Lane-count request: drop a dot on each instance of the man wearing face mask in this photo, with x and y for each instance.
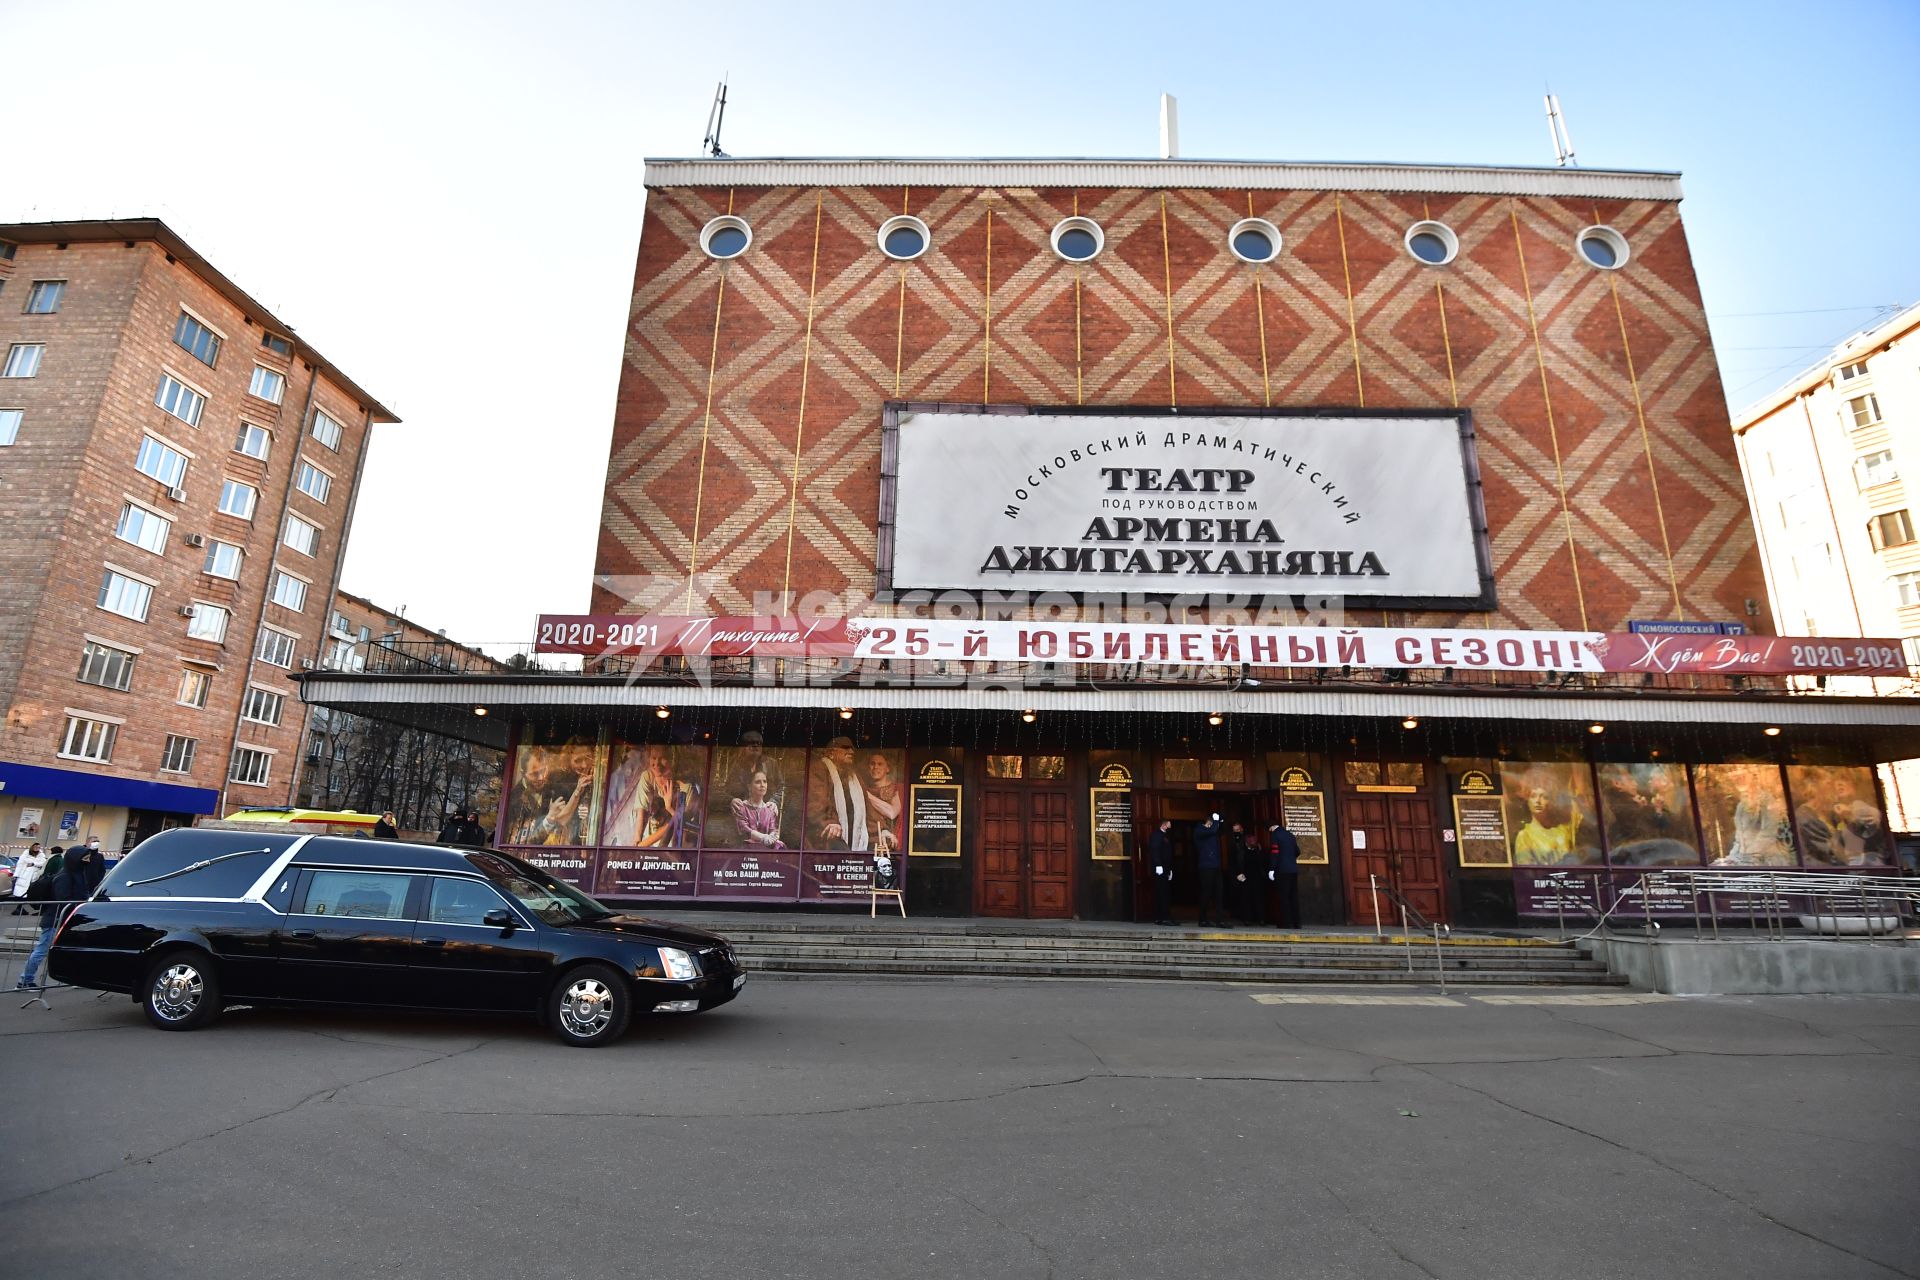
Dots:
(1206, 858)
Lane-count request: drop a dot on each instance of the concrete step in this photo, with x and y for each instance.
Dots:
(1152, 944)
(1174, 972)
(1300, 959)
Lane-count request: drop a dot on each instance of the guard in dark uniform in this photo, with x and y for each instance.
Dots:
(1255, 863)
(1206, 860)
(1285, 873)
(1160, 857)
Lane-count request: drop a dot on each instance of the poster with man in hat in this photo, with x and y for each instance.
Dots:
(836, 802)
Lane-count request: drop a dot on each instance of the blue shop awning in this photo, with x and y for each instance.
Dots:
(74, 787)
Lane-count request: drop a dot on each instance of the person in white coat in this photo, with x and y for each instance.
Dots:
(32, 863)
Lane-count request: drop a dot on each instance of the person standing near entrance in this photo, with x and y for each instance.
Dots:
(1256, 867)
(1206, 859)
(1284, 873)
(1160, 856)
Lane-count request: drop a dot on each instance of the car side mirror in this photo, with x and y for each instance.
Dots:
(499, 918)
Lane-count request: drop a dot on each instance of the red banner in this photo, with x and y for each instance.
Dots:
(1159, 644)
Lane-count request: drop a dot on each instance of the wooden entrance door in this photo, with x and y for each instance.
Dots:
(1026, 854)
(1402, 850)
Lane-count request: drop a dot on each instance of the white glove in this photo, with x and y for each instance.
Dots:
(1270, 875)
(1159, 871)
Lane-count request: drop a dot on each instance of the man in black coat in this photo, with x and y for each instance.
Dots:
(1255, 863)
(1206, 860)
(1284, 873)
(1160, 858)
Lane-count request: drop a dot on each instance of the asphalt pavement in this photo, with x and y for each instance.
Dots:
(898, 1128)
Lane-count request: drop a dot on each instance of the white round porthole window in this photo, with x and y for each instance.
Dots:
(904, 238)
(1603, 247)
(1078, 239)
(1433, 243)
(725, 237)
(1254, 240)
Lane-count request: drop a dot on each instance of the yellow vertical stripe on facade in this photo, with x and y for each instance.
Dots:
(986, 338)
(1446, 339)
(800, 427)
(1166, 265)
(1553, 432)
(900, 316)
(1646, 445)
(1353, 326)
(1260, 313)
(706, 425)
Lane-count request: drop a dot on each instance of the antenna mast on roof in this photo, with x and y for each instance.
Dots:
(1562, 140)
(716, 116)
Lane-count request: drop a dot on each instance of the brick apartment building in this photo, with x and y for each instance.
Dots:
(178, 472)
(369, 765)
(995, 511)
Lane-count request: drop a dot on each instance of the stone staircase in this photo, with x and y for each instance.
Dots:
(824, 945)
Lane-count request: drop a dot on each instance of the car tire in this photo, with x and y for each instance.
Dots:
(590, 1006)
(182, 991)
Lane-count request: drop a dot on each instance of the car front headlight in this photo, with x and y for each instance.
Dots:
(678, 964)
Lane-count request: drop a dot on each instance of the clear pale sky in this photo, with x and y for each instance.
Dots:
(446, 198)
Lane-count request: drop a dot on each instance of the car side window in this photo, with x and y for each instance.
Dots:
(462, 901)
(362, 894)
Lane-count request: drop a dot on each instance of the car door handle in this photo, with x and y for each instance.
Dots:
(433, 942)
(303, 935)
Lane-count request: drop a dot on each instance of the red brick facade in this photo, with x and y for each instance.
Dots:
(1559, 362)
(67, 477)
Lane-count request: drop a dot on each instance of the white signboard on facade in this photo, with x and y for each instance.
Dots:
(1362, 505)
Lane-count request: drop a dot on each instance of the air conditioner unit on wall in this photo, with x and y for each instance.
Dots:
(177, 494)
(306, 664)
(186, 611)
(196, 539)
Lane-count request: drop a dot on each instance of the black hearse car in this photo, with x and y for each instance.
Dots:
(195, 919)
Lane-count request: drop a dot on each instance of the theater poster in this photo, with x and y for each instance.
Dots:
(554, 797)
(656, 796)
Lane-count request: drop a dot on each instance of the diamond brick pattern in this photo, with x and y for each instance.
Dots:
(777, 488)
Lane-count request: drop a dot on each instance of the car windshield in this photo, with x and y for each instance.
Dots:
(554, 901)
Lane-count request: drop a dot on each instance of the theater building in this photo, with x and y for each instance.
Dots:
(993, 512)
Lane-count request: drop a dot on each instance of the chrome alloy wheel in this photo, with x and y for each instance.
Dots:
(178, 992)
(586, 1008)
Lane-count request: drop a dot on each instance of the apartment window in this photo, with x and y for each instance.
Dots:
(1865, 409)
(253, 441)
(1906, 588)
(23, 359)
(89, 739)
(238, 499)
(1875, 468)
(128, 597)
(43, 297)
(276, 344)
(1890, 529)
(180, 400)
(194, 687)
(200, 342)
(301, 536)
(10, 425)
(262, 706)
(106, 666)
(276, 647)
(342, 624)
(142, 528)
(178, 757)
(312, 481)
(345, 655)
(250, 766)
(223, 560)
(289, 592)
(209, 622)
(326, 430)
(1848, 372)
(267, 384)
(168, 466)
